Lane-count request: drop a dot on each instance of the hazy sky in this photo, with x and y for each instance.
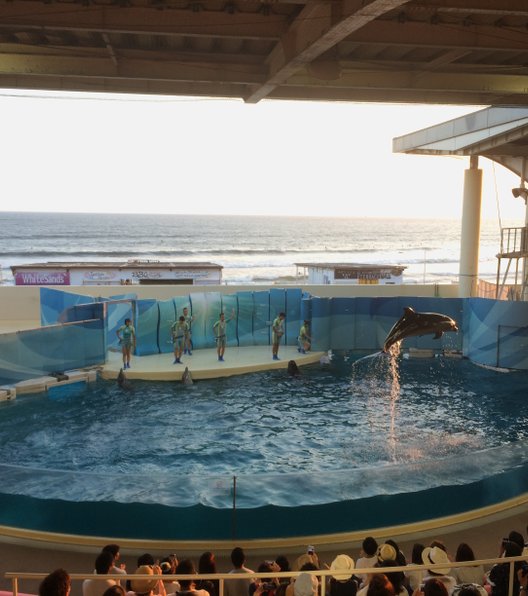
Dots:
(182, 155)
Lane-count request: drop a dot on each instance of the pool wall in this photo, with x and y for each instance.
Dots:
(492, 333)
(198, 522)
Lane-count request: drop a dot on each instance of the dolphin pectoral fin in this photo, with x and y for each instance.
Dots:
(438, 335)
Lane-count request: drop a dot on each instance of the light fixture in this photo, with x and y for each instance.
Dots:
(520, 191)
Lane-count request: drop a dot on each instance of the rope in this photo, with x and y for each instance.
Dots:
(496, 195)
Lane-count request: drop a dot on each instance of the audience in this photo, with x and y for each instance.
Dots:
(434, 587)
(145, 587)
(380, 585)
(96, 587)
(343, 580)
(188, 586)
(414, 578)
(207, 564)
(367, 557)
(238, 587)
(57, 583)
(306, 584)
(438, 556)
(115, 551)
(467, 575)
(499, 575)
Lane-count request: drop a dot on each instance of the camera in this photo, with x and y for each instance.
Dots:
(267, 586)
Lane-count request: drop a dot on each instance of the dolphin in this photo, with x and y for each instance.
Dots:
(418, 323)
(122, 381)
(187, 377)
(293, 369)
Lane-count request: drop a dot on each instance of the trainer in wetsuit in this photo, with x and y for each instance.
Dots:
(179, 331)
(277, 331)
(219, 329)
(188, 339)
(127, 338)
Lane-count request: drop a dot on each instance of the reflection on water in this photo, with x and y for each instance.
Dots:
(317, 437)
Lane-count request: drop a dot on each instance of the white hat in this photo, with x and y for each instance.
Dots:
(386, 552)
(305, 585)
(342, 563)
(436, 556)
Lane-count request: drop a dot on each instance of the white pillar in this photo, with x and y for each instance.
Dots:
(470, 238)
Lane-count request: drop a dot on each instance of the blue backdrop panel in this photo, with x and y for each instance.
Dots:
(201, 335)
(35, 352)
(167, 316)
(262, 319)
(83, 312)
(181, 302)
(497, 332)
(54, 302)
(293, 315)
(147, 322)
(321, 310)
(513, 347)
(230, 306)
(116, 313)
(366, 329)
(343, 323)
(277, 302)
(245, 318)
(214, 307)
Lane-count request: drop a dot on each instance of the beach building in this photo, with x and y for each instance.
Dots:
(350, 273)
(131, 272)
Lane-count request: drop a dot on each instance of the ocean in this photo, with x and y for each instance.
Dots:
(252, 249)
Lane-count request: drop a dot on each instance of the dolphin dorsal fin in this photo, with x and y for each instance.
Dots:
(408, 311)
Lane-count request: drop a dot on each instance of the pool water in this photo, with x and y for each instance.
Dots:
(339, 431)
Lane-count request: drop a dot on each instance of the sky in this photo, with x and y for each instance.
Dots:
(137, 154)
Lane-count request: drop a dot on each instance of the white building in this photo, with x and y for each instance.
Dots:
(350, 273)
(116, 273)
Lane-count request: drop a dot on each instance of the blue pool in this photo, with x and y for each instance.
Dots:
(352, 445)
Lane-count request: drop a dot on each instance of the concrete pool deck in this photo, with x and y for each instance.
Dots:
(204, 364)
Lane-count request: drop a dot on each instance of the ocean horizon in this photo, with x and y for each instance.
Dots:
(250, 248)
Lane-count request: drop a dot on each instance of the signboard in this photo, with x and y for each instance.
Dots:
(42, 278)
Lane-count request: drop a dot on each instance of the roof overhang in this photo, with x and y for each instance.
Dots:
(498, 133)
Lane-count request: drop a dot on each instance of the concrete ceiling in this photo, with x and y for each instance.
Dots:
(429, 51)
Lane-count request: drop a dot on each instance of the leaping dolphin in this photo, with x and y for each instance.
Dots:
(414, 323)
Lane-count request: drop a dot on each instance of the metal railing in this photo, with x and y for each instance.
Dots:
(514, 241)
(223, 577)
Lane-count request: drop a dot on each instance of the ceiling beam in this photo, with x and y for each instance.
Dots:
(141, 21)
(414, 34)
(476, 7)
(316, 30)
(149, 70)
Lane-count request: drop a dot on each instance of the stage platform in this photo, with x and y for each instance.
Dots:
(204, 364)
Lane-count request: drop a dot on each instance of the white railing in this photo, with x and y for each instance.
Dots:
(15, 576)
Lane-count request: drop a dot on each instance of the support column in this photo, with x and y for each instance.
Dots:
(470, 238)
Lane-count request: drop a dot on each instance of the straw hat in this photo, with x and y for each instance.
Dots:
(342, 563)
(143, 586)
(305, 585)
(386, 552)
(436, 556)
